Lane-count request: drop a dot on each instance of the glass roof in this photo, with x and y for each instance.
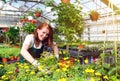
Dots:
(19, 7)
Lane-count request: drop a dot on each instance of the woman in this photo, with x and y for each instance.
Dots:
(33, 44)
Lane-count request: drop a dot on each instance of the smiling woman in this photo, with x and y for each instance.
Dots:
(34, 43)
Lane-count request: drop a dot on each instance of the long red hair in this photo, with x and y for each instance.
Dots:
(49, 40)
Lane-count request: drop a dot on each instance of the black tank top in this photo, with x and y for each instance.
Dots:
(35, 52)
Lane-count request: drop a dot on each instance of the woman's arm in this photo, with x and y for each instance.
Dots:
(55, 49)
(24, 52)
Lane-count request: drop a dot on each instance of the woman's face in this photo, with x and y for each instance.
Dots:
(42, 33)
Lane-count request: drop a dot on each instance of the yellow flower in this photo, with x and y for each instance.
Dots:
(64, 52)
(64, 69)
(26, 67)
(68, 62)
(66, 66)
(9, 72)
(57, 70)
(32, 72)
(78, 60)
(59, 63)
(92, 79)
(51, 56)
(98, 74)
(65, 58)
(1, 65)
(89, 71)
(25, 64)
(27, 70)
(106, 77)
(41, 67)
(62, 79)
(86, 61)
(60, 52)
(20, 65)
(4, 77)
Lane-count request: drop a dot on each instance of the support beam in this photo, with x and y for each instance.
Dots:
(108, 3)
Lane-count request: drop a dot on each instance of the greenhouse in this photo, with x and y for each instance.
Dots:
(59, 40)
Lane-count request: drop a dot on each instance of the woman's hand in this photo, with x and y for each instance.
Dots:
(57, 56)
(35, 63)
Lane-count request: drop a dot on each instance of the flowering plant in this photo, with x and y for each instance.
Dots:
(59, 70)
(29, 27)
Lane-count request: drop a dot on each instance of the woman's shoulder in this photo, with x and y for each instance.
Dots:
(29, 36)
(29, 39)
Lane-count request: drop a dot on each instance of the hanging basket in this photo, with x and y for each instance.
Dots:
(94, 15)
(103, 31)
(37, 14)
(65, 1)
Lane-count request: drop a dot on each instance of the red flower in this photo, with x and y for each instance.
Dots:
(33, 21)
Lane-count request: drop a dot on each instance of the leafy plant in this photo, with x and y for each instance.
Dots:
(4, 53)
(2, 70)
(29, 27)
(7, 52)
(38, 10)
(12, 34)
(69, 21)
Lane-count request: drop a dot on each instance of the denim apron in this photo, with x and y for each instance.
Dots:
(35, 53)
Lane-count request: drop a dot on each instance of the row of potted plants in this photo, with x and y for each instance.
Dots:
(9, 53)
(63, 69)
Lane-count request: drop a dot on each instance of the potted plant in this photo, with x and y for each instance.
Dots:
(103, 31)
(13, 52)
(12, 34)
(37, 12)
(23, 19)
(29, 27)
(69, 22)
(94, 15)
(4, 54)
(65, 1)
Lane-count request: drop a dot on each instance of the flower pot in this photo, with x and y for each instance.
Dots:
(80, 46)
(23, 20)
(103, 31)
(9, 45)
(4, 60)
(16, 46)
(94, 15)
(12, 58)
(37, 14)
(17, 58)
(65, 1)
(33, 21)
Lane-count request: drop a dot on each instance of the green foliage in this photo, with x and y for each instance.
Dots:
(7, 52)
(30, 13)
(12, 34)
(69, 21)
(29, 27)
(93, 12)
(38, 10)
(2, 70)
